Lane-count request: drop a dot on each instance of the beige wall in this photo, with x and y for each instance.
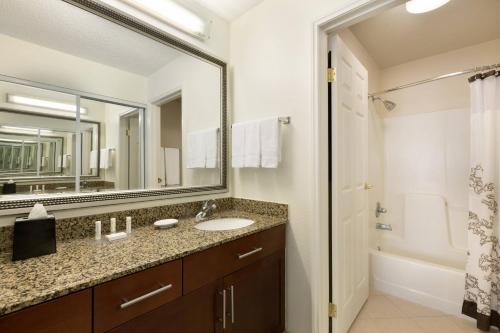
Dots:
(199, 84)
(440, 95)
(64, 70)
(272, 74)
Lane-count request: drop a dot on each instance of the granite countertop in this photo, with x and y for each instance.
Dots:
(83, 263)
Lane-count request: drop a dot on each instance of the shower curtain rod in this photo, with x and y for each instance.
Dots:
(440, 77)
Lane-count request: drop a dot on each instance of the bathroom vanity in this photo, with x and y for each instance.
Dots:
(175, 280)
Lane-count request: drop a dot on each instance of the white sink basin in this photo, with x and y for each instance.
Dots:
(224, 224)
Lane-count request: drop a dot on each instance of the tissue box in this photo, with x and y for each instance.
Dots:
(34, 238)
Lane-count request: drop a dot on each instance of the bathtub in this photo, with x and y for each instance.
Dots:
(430, 284)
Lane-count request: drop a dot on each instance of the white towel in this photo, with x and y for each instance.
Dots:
(211, 147)
(162, 171)
(172, 166)
(93, 159)
(270, 142)
(196, 150)
(252, 144)
(106, 158)
(238, 145)
(66, 161)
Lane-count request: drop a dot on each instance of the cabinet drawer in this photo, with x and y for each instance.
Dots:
(206, 266)
(120, 300)
(72, 313)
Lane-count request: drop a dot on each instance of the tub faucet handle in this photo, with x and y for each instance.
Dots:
(379, 210)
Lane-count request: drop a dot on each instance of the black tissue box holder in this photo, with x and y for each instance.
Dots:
(34, 238)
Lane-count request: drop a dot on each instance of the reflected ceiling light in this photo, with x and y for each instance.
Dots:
(42, 103)
(171, 12)
(26, 129)
(423, 6)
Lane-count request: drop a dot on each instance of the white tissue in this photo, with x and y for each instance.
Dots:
(38, 212)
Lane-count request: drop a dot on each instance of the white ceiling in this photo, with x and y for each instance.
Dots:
(229, 9)
(395, 36)
(66, 28)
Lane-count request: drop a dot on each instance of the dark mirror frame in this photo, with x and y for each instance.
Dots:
(15, 206)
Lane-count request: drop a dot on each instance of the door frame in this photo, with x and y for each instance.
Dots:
(354, 12)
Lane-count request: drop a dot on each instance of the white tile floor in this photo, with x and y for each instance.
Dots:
(387, 314)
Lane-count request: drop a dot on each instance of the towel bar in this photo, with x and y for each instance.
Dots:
(282, 120)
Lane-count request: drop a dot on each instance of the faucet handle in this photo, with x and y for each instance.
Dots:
(209, 204)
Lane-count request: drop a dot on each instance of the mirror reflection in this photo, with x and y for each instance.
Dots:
(91, 106)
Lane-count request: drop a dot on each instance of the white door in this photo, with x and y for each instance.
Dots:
(350, 274)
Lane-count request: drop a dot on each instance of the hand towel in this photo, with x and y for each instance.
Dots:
(238, 145)
(162, 171)
(106, 158)
(196, 150)
(252, 144)
(93, 159)
(270, 142)
(172, 166)
(212, 147)
(66, 161)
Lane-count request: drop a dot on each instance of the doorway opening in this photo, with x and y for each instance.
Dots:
(171, 141)
(393, 156)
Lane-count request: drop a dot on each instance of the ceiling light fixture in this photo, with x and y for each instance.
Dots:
(42, 103)
(172, 13)
(424, 6)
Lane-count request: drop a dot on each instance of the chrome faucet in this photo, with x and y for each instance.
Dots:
(208, 207)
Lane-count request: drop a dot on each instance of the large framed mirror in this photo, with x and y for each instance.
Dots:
(99, 107)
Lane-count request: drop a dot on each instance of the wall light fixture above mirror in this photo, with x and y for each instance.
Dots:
(98, 107)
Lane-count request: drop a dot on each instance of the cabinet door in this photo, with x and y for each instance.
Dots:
(71, 313)
(255, 297)
(196, 312)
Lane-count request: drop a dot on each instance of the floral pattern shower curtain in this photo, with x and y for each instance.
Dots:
(482, 285)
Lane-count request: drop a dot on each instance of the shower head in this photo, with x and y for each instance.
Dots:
(388, 105)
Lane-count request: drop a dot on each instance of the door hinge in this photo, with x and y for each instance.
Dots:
(127, 132)
(331, 74)
(332, 310)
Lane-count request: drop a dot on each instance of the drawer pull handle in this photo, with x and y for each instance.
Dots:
(223, 309)
(232, 304)
(248, 254)
(145, 296)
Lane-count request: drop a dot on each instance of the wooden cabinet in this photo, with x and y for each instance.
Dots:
(71, 313)
(217, 262)
(120, 300)
(237, 287)
(197, 312)
(256, 296)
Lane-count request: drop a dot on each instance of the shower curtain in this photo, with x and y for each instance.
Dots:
(482, 285)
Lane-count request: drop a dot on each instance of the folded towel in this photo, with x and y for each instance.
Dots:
(212, 147)
(172, 166)
(66, 161)
(270, 142)
(93, 159)
(252, 144)
(106, 158)
(196, 150)
(238, 145)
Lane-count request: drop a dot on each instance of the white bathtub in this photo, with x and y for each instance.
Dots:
(429, 284)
